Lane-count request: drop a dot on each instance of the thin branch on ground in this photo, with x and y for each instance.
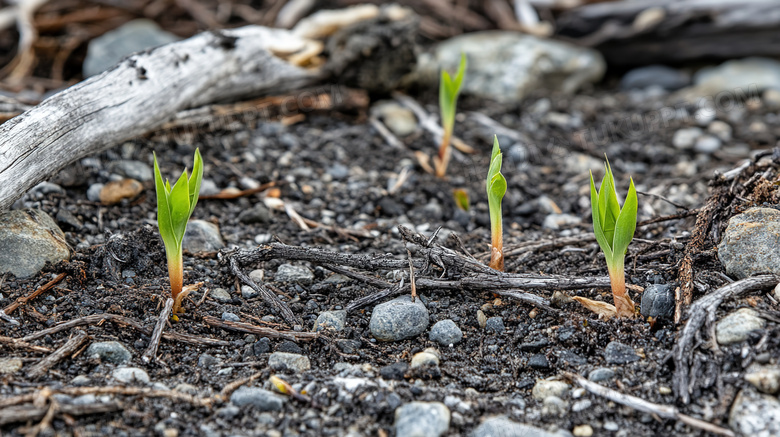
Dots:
(700, 312)
(154, 343)
(61, 353)
(260, 330)
(268, 297)
(639, 404)
(23, 300)
(110, 390)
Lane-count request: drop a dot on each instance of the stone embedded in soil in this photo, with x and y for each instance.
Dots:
(221, 295)
(759, 72)
(10, 365)
(707, 144)
(750, 243)
(554, 406)
(601, 374)
(657, 301)
(399, 319)
(765, 378)
(445, 332)
(685, 139)
(400, 120)
(132, 169)
(261, 399)
(93, 192)
(720, 129)
(619, 353)
(495, 325)
(289, 347)
(738, 325)
(668, 78)
(109, 351)
(262, 346)
(571, 358)
(258, 214)
(502, 426)
(293, 273)
(284, 361)
(582, 431)
(394, 371)
(538, 361)
(115, 191)
(557, 221)
(545, 388)
(754, 414)
(348, 346)
(230, 317)
(202, 236)
(428, 357)
(130, 375)
(422, 419)
(29, 239)
(527, 64)
(248, 292)
(207, 361)
(331, 320)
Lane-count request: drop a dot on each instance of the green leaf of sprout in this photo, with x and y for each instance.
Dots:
(175, 204)
(449, 89)
(614, 227)
(496, 186)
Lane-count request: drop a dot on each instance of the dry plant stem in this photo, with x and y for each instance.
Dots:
(61, 353)
(19, 344)
(443, 159)
(154, 343)
(98, 318)
(703, 311)
(497, 252)
(23, 300)
(268, 297)
(110, 390)
(27, 413)
(233, 386)
(260, 330)
(664, 411)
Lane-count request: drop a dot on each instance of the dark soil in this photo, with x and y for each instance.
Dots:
(118, 267)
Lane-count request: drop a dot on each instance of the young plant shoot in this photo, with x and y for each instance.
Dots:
(496, 188)
(174, 208)
(449, 89)
(614, 228)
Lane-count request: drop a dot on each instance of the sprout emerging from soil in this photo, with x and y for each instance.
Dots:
(449, 89)
(614, 228)
(174, 208)
(496, 188)
(461, 199)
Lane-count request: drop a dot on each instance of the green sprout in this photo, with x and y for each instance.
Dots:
(449, 89)
(496, 188)
(461, 199)
(174, 208)
(614, 228)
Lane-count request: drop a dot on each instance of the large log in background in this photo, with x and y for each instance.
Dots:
(139, 94)
(672, 31)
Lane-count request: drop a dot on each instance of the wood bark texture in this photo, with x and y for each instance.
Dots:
(140, 94)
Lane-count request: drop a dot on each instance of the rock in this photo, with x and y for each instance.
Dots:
(262, 346)
(137, 170)
(28, 240)
(764, 378)
(554, 406)
(428, 357)
(186, 388)
(338, 171)
(81, 381)
(230, 317)
(134, 36)
(332, 320)
(130, 375)
(582, 431)
(545, 388)
(207, 361)
(754, 72)
(261, 399)
(736, 327)
(661, 76)
(290, 347)
(422, 419)
(258, 214)
(221, 295)
(208, 187)
(538, 361)
(113, 192)
(348, 346)
(658, 301)
(581, 405)
(284, 361)
(399, 319)
(506, 66)
(501, 426)
(202, 236)
(248, 292)
(619, 353)
(750, 242)
(10, 365)
(109, 351)
(720, 129)
(556, 221)
(754, 414)
(66, 218)
(445, 332)
(707, 144)
(394, 371)
(571, 358)
(771, 99)
(495, 325)
(93, 192)
(400, 120)
(293, 273)
(685, 139)
(600, 374)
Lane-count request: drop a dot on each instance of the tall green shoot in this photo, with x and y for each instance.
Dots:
(614, 228)
(496, 188)
(449, 89)
(175, 205)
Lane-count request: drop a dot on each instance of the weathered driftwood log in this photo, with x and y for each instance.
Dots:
(141, 93)
(666, 31)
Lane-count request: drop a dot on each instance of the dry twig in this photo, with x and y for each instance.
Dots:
(23, 300)
(154, 342)
(68, 348)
